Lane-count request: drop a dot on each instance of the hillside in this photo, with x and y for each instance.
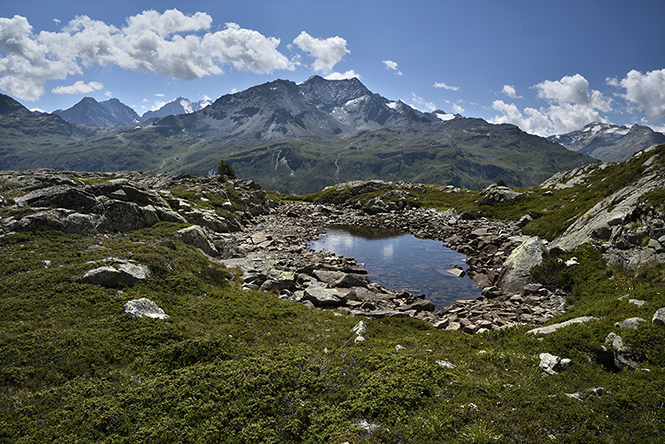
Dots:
(121, 323)
(300, 138)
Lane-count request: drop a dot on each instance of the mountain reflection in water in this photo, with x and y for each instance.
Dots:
(401, 261)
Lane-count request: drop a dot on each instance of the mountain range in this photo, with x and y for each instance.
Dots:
(115, 113)
(609, 143)
(293, 138)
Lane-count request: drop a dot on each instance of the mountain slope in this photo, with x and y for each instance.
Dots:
(110, 112)
(609, 143)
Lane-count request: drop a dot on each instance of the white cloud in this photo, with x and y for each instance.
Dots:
(422, 104)
(444, 86)
(168, 44)
(159, 95)
(342, 76)
(392, 66)
(326, 52)
(457, 109)
(572, 105)
(532, 121)
(79, 87)
(108, 94)
(510, 91)
(646, 90)
(573, 89)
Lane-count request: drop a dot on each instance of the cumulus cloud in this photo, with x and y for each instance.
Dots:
(79, 87)
(572, 105)
(342, 76)
(444, 86)
(510, 91)
(392, 66)
(531, 121)
(326, 52)
(457, 109)
(422, 104)
(170, 43)
(647, 91)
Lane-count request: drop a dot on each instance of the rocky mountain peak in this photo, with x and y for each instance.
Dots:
(9, 106)
(89, 111)
(608, 142)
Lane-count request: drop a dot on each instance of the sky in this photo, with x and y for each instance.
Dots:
(548, 67)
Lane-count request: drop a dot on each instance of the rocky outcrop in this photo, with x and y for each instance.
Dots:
(628, 229)
(120, 202)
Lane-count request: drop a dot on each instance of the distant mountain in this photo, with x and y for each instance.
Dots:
(609, 143)
(300, 138)
(282, 109)
(175, 107)
(10, 107)
(107, 113)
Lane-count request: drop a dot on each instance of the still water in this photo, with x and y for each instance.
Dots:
(402, 262)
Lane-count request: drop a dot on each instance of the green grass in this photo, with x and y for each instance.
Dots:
(234, 366)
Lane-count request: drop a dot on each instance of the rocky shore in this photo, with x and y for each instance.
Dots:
(273, 257)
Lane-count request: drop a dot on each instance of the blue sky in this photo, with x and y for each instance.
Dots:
(549, 67)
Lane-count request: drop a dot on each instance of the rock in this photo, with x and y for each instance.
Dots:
(360, 328)
(140, 308)
(491, 292)
(67, 221)
(60, 196)
(629, 323)
(625, 356)
(418, 305)
(445, 364)
(552, 328)
(124, 273)
(197, 237)
(399, 347)
(551, 364)
(659, 317)
(516, 269)
(494, 194)
(349, 280)
(324, 297)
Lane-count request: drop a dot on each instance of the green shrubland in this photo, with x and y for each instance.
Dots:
(245, 367)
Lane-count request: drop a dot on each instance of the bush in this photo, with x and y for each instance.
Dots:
(225, 170)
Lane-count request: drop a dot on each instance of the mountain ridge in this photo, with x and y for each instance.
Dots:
(110, 112)
(609, 142)
(300, 138)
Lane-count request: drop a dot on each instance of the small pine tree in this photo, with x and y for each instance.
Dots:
(501, 183)
(225, 170)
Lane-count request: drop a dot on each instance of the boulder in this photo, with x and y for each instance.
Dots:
(67, 221)
(494, 194)
(60, 196)
(659, 317)
(517, 267)
(551, 364)
(198, 237)
(629, 323)
(324, 297)
(625, 356)
(124, 273)
(140, 308)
